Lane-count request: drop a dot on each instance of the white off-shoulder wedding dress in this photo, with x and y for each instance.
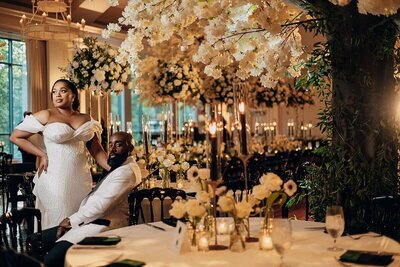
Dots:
(60, 190)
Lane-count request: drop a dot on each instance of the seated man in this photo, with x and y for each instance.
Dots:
(105, 208)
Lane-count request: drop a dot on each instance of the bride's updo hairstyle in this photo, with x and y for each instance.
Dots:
(72, 87)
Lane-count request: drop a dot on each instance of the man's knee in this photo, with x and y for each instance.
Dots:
(56, 255)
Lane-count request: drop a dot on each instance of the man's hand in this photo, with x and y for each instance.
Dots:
(63, 227)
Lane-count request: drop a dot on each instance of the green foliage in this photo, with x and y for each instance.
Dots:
(347, 176)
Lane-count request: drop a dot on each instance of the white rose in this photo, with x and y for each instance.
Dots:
(175, 167)
(185, 166)
(243, 209)
(194, 208)
(75, 64)
(225, 203)
(167, 163)
(260, 192)
(204, 173)
(177, 82)
(178, 209)
(272, 181)
(203, 196)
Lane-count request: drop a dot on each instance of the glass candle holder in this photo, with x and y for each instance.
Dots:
(222, 227)
(203, 241)
(264, 240)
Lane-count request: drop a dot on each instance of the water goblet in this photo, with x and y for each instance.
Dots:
(281, 235)
(334, 223)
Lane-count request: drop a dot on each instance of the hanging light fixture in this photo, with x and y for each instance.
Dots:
(58, 26)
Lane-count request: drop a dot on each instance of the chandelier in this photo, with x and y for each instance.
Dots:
(58, 26)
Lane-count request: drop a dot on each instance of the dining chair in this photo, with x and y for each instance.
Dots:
(385, 215)
(256, 167)
(234, 170)
(150, 205)
(15, 228)
(5, 164)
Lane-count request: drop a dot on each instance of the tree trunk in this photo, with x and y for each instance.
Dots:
(363, 107)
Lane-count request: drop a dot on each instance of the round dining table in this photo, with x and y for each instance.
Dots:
(154, 247)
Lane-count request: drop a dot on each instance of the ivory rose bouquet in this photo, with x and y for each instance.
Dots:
(273, 190)
(94, 67)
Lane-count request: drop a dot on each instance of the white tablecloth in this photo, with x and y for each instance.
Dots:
(152, 246)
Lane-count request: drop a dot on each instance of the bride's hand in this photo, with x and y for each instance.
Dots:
(43, 163)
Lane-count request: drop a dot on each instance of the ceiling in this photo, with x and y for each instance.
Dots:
(97, 13)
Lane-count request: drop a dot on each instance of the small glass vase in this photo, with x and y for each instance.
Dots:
(165, 178)
(192, 234)
(180, 180)
(209, 225)
(237, 237)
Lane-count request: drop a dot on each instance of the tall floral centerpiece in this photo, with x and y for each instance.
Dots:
(94, 67)
(272, 191)
(177, 80)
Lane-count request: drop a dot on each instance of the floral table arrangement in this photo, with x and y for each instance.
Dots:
(175, 80)
(281, 143)
(240, 211)
(195, 210)
(269, 192)
(94, 67)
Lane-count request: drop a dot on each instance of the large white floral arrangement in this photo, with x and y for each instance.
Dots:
(281, 143)
(222, 89)
(94, 67)
(176, 80)
(262, 36)
(282, 93)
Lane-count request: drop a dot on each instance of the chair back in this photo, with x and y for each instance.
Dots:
(150, 205)
(238, 187)
(5, 162)
(234, 170)
(256, 167)
(17, 225)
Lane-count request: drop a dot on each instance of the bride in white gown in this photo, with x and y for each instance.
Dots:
(63, 178)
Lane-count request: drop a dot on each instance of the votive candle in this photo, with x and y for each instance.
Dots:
(265, 241)
(203, 244)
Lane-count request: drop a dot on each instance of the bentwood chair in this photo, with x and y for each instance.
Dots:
(15, 228)
(151, 205)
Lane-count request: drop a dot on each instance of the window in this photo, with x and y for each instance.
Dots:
(13, 90)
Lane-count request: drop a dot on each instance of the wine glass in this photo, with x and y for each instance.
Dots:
(334, 224)
(281, 235)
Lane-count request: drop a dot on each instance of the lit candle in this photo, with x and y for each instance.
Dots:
(222, 227)
(118, 122)
(214, 151)
(111, 124)
(203, 242)
(180, 183)
(265, 241)
(274, 128)
(242, 115)
(165, 128)
(129, 127)
(309, 128)
(146, 139)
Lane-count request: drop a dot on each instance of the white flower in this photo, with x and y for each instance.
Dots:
(271, 181)
(204, 173)
(194, 208)
(243, 209)
(175, 167)
(167, 163)
(192, 173)
(203, 196)
(290, 187)
(178, 209)
(260, 192)
(226, 204)
(185, 166)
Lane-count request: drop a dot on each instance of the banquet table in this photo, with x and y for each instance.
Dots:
(153, 246)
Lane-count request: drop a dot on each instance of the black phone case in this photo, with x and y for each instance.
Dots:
(100, 240)
(364, 257)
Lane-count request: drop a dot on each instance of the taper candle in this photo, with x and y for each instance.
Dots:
(243, 132)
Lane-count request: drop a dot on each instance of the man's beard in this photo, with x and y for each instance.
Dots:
(117, 160)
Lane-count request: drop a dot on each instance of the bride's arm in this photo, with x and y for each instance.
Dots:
(98, 153)
(20, 139)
